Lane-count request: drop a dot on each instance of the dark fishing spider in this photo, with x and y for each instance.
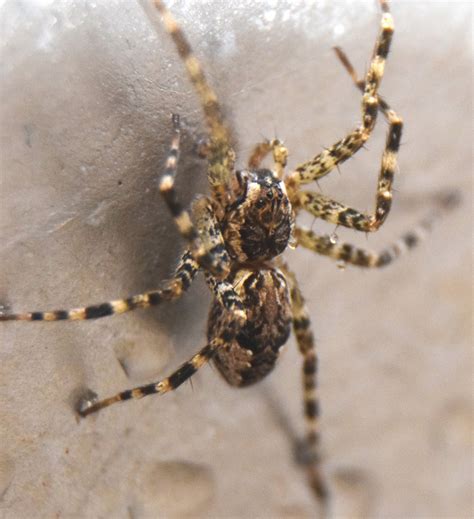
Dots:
(239, 233)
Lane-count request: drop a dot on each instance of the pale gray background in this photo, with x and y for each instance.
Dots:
(86, 93)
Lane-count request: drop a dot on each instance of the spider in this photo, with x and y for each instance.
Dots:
(236, 236)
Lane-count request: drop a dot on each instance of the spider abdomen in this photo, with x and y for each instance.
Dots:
(253, 352)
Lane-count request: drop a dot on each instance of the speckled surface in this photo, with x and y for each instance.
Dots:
(86, 92)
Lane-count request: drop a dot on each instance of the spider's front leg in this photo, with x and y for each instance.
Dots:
(327, 160)
(219, 151)
(262, 149)
(334, 212)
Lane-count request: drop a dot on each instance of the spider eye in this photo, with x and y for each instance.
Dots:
(260, 203)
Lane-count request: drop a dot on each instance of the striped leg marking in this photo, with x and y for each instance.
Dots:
(183, 373)
(384, 107)
(327, 160)
(228, 298)
(365, 258)
(220, 154)
(182, 279)
(305, 340)
(207, 224)
(181, 217)
(335, 212)
(339, 214)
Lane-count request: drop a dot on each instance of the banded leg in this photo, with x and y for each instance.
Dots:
(221, 156)
(327, 160)
(262, 149)
(337, 213)
(212, 238)
(226, 295)
(369, 259)
(183, 373)
(182, 279)
(384, 107)
(182, 219)
(210, 235)
(305, 340)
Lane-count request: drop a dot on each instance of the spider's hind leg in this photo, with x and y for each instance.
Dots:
(384, 107)
(182, 279)
(306, 345)
(183, 373)
(225, 294)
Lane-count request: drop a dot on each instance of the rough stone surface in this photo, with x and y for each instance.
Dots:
(86, 93)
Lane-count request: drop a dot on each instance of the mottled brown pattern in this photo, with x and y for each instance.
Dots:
(253, 352)
(235, 237)
(258, 224)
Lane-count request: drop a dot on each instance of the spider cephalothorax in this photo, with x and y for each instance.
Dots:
(236, 234)
(258, 225)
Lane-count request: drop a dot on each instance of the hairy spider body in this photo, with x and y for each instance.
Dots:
(257, 226)
(236, 235)
(252, 353)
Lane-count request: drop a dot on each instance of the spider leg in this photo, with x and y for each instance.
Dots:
(305, 340)
(335, 212)
(182, 279)
(208, 249)
(183, 373)
(325, 161)
(220, 154)
(206, 256)
(225, 293)
(210, 236)
(227, 297)
(369, 259)
(384, 107)
(258, 153)
(262, 149)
